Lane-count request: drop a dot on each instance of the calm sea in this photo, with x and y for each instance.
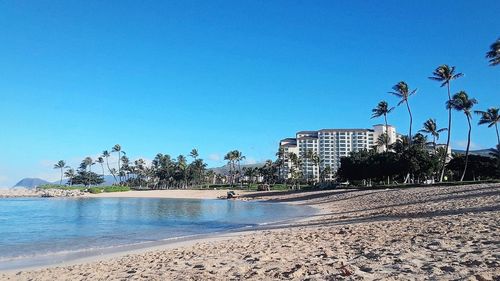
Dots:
(38, 231)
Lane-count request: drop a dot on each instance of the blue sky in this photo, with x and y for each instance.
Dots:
(77, 77)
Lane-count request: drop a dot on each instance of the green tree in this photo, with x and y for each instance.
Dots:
(117, 148)
(490, 117)
(100, 160)
(462, 102)
(194, 153)
(494, 53)
(61, 165)
(70, 174)
(106, 155)
(403, 92)
(445, 74)
(383, 109)
(430, 127)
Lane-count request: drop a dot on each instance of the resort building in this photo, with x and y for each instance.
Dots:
(327, 146)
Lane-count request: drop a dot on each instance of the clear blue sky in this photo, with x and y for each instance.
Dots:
(77, 77)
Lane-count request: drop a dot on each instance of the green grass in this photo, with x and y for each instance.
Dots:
(115, 188)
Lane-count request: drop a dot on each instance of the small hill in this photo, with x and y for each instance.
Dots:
(30, 183)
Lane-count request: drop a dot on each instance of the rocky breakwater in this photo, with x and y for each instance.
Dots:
(61, 193)
(21, 192)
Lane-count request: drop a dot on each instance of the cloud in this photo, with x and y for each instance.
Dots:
(214, 157)
(462, 144)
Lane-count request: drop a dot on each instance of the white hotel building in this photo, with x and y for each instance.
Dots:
(330, 145)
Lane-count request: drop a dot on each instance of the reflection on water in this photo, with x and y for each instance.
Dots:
(35, 226)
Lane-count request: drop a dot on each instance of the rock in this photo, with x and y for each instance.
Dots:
(365, 268)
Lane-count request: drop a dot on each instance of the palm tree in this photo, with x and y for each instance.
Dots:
(316, 161)
(239, 157)
(182, 165)
(118, 148)
(445, 74)
(490, 117)
(462, 102)
(230, 158)
(106, 155)
(494, 53)
(281, 157)
(87, 163)
(430, 127)
(70, 174)
(194, 153)
(382, 140)
(100, 160)
(383, 109)
(402, 91)
(60, 165)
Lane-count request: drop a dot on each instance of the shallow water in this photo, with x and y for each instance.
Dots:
(31, 228)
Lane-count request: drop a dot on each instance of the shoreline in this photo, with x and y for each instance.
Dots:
(443, 233)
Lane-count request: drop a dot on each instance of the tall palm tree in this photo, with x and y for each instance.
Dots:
(60, 165)
(106, 155)
(490, 117)
(430, 127)
(383, 109)
(87, 163)
(494, 53)
(230, 158)
(462, 102)
(194, 153)
(445, 74)
(118, 148)
(100, 160)
(238, 156)
(403, 92)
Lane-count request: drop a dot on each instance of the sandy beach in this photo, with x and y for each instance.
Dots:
(431, 233)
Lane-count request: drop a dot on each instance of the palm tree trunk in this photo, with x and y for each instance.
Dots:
(467, 150)
(60, 183)
(498, 136)
(411, 122)
(107, 164)
(387, 134)
(119, 171)
(448, 138)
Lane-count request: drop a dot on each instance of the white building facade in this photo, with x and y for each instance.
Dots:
(329, 146)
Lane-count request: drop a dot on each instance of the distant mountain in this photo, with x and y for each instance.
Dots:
(224, 170)
(30, 183)
(481, 152)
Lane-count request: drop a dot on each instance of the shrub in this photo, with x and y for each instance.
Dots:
(95, 190)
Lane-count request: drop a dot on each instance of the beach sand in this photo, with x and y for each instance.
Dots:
(432, 233)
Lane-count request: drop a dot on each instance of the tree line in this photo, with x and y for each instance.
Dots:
(409, 158)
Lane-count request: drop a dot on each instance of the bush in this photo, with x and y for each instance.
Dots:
(95, 190)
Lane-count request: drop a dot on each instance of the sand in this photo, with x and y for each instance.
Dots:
(434, 233)
(174, 193)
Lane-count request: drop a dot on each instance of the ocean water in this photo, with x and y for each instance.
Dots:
(39, 231)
